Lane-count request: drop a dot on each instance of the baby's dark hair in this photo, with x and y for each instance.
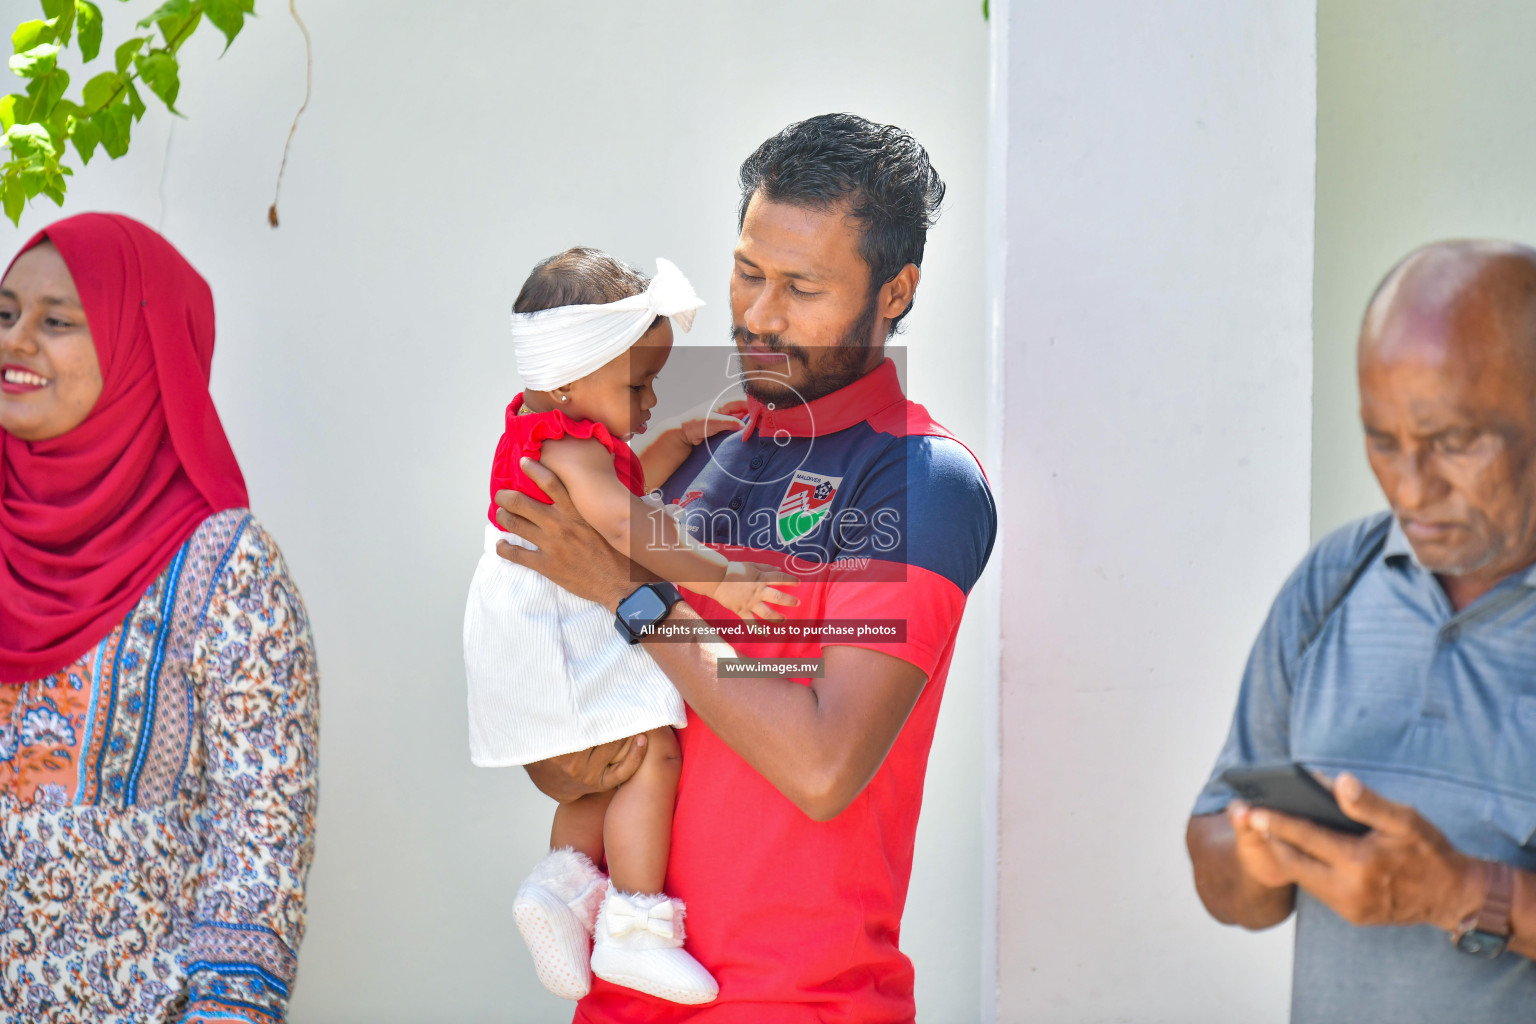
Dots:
(578, 277)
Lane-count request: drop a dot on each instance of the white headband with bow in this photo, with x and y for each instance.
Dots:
(557, 346)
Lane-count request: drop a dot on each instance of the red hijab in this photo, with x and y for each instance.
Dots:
(89, 519)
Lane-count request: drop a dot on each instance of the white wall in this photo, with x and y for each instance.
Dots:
(1156, 302)
(1425, 130)
(363, 364)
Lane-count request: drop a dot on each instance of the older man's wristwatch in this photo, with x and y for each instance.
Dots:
(1485, 932)
(640, 612)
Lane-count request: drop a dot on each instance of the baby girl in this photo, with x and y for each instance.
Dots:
(548, 671)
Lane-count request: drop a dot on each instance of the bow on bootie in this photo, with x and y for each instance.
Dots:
(624, 917)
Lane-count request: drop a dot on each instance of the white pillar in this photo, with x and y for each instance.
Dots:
(1153, 296)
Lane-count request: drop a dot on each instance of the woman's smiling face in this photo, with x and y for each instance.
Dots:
(50, 377)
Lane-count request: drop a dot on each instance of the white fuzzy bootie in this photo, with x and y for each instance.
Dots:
(640, 946)
(556, 910)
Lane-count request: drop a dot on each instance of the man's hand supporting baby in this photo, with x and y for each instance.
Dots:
(818, 744)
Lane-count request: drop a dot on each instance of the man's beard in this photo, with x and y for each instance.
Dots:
(844, 363)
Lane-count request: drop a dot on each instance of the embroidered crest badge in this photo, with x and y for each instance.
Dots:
(806, 503)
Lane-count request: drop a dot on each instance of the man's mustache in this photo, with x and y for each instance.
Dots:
(773, 342)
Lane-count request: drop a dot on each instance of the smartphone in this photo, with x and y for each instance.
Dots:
(1291, 789)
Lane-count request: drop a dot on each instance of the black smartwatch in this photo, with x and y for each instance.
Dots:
(641, 611)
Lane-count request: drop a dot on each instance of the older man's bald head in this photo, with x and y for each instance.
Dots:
(1448, 401)
(1456, 294)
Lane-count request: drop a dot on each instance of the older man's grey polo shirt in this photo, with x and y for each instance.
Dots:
(1429, 707)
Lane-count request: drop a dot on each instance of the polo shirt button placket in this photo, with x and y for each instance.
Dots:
(763, 457)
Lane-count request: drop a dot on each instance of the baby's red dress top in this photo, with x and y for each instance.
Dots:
(525, 435)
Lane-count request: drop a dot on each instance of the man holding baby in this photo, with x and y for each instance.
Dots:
(798, 801)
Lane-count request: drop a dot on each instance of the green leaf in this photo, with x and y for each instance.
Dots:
(169, 9)
(179, 31)
(104, 129)
(89, 17)
(158, 70)
(15, 196)
(126, 52)
(115, 123)
(8, 106)
(45, 91)
(33, 179)
(31, 33)
(102, 89)
(54, 187)
(63, 24)
(228, 16)
(176, 20)
(37, 61)
(29, 143)
(59, 120)
(54, 8)
(86, 136)
(136, 105)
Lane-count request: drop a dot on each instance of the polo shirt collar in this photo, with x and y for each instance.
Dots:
(1397, 550)
(877, 390)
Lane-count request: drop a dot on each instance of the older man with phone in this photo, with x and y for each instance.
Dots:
(1398, 665)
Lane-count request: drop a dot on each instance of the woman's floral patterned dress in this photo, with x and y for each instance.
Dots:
(157, 801)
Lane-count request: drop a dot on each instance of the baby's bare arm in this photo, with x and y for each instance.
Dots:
(668, 551)
(665, 456)
(665, 548)
(586, 468)
(651, 537)
(644, 533)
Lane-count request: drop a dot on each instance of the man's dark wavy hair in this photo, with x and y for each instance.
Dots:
(879, 170)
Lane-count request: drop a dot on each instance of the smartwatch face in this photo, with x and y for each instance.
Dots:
(1479, 943)
(643, 608)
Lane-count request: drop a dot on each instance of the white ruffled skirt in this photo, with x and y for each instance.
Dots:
(548, 673)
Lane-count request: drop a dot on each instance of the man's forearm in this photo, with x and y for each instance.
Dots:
(773, 723)
(1229, 894)
(778, 727)
(664, 456)
(818, 745)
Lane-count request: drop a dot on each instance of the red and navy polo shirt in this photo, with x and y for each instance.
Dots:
(800, 920)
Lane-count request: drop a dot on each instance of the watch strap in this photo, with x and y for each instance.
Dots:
(1493, 916)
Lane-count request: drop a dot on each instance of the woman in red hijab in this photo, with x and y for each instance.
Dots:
(158, 686)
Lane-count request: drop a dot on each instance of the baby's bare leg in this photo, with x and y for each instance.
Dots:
(638, 828)
(579, 824)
